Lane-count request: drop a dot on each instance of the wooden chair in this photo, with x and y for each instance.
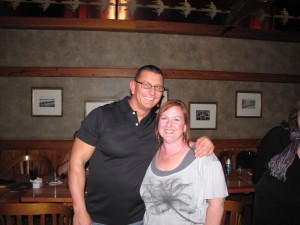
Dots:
(232, 213)
(35, 213)
(21, 165)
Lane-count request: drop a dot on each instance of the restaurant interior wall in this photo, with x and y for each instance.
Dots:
(17, 122)
(106, 49)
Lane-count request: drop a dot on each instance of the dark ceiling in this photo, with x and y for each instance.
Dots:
(276, 15)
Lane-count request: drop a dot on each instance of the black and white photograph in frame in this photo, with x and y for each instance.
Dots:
(46, 101)
(248, 104)
(89, 105)
(164, 98)
(203, 115)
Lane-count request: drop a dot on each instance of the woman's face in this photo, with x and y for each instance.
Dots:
(171, 125)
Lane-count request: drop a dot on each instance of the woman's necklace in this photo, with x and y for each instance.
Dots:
(170, 155)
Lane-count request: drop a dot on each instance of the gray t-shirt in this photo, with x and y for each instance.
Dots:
(178, 197)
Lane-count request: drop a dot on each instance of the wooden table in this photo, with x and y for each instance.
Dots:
(50, 194)
(240, 183)
(46, 194)
(12, 192)
(7, 196)
(237, 183)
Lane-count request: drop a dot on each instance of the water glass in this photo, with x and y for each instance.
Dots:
(33, 173)
(54, 178)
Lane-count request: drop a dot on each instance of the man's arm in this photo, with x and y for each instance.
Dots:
(204, 147)
(81, 153)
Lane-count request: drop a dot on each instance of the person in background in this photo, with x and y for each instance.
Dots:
(177, 188)
(277, 194)
(118, 140)
(62, 169)
(276, 139)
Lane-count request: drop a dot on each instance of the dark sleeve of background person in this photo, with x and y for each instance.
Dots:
(272, 143)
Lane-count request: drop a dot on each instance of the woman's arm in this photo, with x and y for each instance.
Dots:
(214, 211)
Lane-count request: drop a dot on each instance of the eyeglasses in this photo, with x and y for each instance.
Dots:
(147, 85)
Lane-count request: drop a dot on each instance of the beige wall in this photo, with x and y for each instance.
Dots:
(52, 48)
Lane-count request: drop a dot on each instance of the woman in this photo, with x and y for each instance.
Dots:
(177, 188)
(277, 195)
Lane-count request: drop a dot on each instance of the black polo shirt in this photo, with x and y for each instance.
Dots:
(124, 149)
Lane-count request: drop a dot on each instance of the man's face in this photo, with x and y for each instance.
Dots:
(146, 99)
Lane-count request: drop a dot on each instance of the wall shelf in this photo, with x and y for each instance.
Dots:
(146, 27)
(130, 72)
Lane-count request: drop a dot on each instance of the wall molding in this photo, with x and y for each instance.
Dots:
(130, 72)
(147, 27)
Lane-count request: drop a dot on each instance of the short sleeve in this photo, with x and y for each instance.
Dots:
(90, 127)
(213, 178)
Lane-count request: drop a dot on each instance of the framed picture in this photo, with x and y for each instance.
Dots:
(46, 101)
(165, 97)
(248, 104)
(203, 115)
(89, 105)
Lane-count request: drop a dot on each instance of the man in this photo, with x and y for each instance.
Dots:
(119, 142)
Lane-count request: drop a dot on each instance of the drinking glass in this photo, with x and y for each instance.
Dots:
(55, 177)
(33, 172)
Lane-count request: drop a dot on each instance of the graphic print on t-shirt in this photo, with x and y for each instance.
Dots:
(170, 194)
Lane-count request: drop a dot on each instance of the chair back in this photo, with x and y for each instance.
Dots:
(21, 165)
(232, 213)
(35, 213)
(245, 159)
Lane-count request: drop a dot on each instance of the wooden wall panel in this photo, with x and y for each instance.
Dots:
(55, 150)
